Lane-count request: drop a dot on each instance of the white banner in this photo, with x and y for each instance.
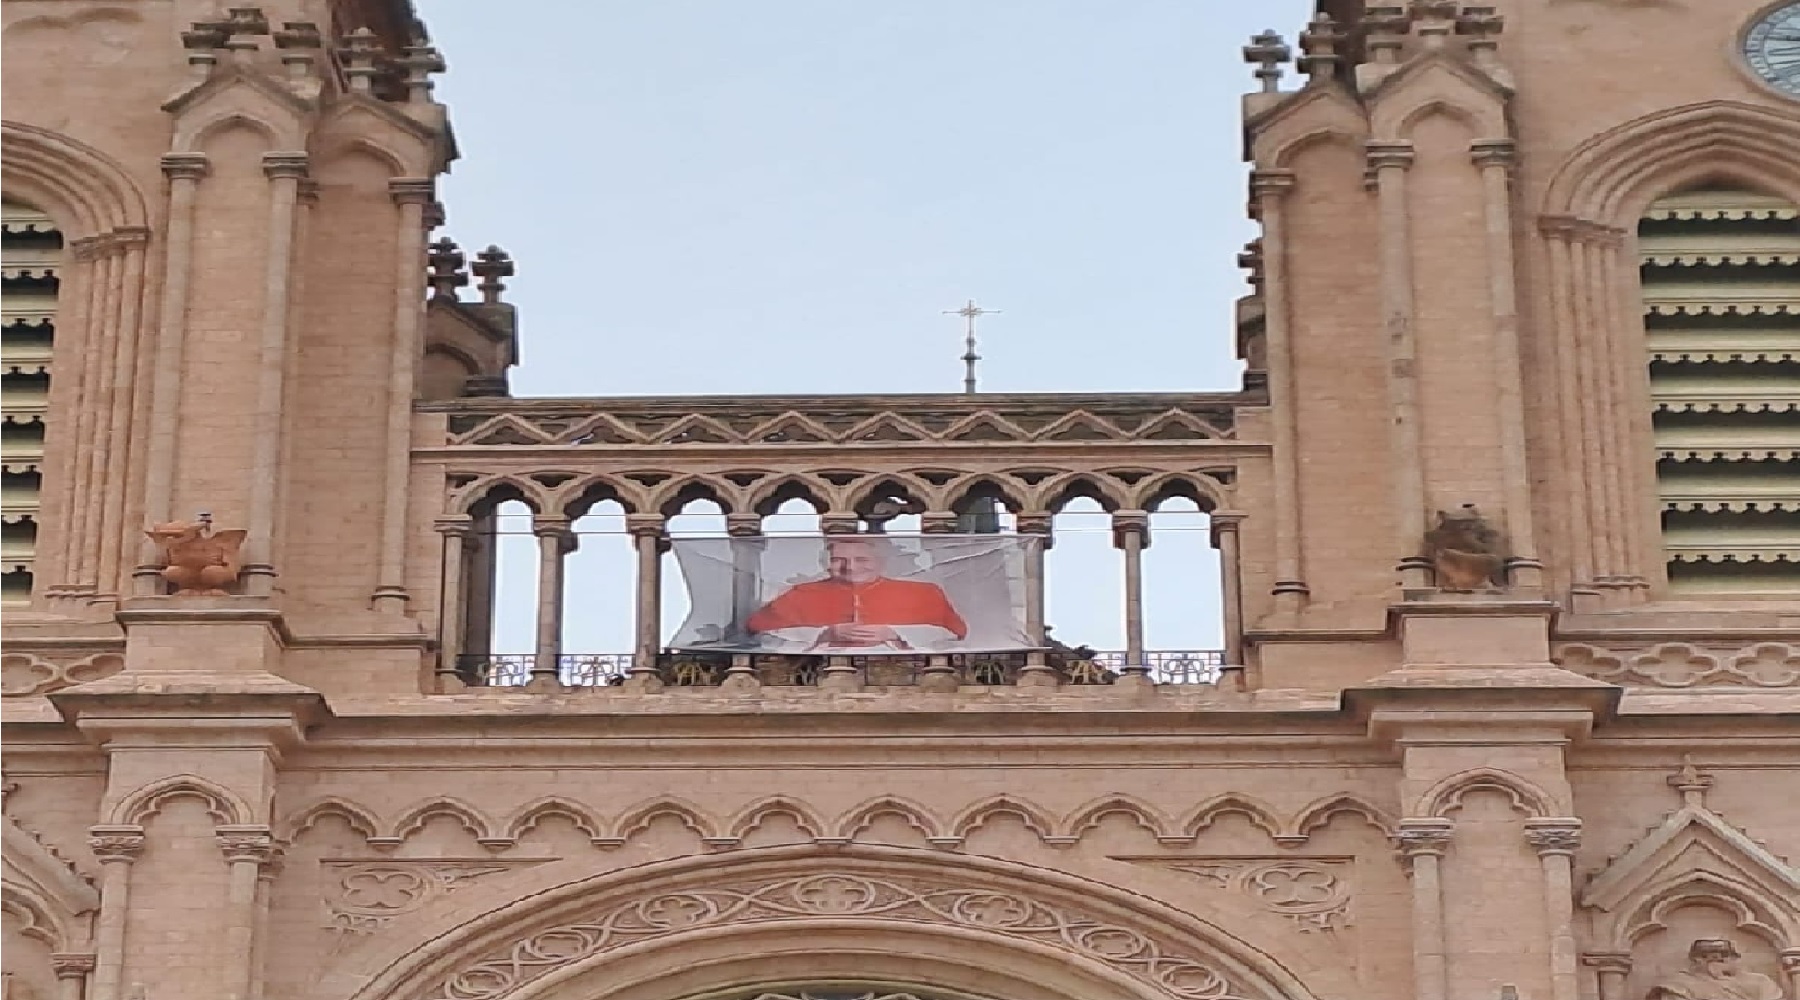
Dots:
(855, 594)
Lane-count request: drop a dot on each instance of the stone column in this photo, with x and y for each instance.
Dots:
(122, 456)
(184, 171)
(1578, 541)
(1422, 843)
(555, 540)
(1224, 529)
(1555, 840)
(115, 847)
(285, 172)
(68, 452)
(1390, 161)
(412, 195)
(99, 384)
(648, 537)
(1610, 971)
(1131, 534)
(1494, 158)
(71, 974)
(745, 532)
(456, 530)
(1269, 188)
(1036, 526)
(247, 849)
(265, 889)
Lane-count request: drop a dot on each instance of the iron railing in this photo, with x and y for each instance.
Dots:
(1163, 666)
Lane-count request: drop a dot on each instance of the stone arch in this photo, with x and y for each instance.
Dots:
(529, 815)
(414, 819)
(977, 815)
(483, 496)
(985, 487)
(1447, 795)
(756, 813)
(885, 487)
(734, 917)
(673, 496)
(639, 817)
(1206, 492)
(580, 496)
(86, 191)
(1612, 177)
(222, 804)
(1320, 811)
(354, 816)
(864, 815)
(1088, 816)
(1753, 909)
(771, 495)
(1059, 492)
(1207, 813)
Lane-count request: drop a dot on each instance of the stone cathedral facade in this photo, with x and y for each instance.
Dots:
(1507, 510)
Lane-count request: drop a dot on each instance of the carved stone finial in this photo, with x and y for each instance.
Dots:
(1267, 52)
(1319, 42)
(199, 561)
(1464, 551)
(360, 58)
(1482, 26)
(490, 266)
(1692, 783)
(299, 35)
(1434, 20)
(247, 21)
(1384, 32)
(418, 61)
(447, 274)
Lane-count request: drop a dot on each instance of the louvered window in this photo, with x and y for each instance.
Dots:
(1721, 287)
(31, 252)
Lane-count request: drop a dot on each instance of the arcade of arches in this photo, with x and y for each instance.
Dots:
(1453, 654)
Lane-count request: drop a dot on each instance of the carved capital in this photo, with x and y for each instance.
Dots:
(1493, 152)
(1129, 523)
(839, 524)
(116, 843)
(645, 525)
(279, 165)
(1224, 522)
(85, 249)
(1271, 183)
(1423, 837)
(938, 522)
(1556, 835)
(1615, 962)
(129, 237)
(455, 525)
(1386, 155)
(245, 843)
(412, 190)
(1790, 960)
(743, 525)
(185, 166)
(71, 965)
(1033, 524)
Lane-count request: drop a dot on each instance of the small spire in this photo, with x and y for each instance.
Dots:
(447, 275)
(1385, 31)
(970, 312)
(1319, 42)
(1267, 52)
(1482, 27)
(1692, 783)
(417, 63)
(1433, 20)
(359, 59)
(490, 266)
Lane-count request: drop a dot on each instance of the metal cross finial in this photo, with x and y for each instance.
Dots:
(970, 312)
(1267, 51)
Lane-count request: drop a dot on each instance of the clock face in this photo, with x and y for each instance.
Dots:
(1772, 48)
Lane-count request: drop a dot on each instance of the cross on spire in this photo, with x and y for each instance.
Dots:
(970, 312)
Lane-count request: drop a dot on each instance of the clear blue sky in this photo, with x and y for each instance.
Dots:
(745, 196)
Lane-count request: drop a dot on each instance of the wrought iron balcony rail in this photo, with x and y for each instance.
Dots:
(1172, 666)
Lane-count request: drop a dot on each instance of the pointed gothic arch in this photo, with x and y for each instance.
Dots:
(86, 191)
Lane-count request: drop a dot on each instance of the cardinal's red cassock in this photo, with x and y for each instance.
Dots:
(918, 612)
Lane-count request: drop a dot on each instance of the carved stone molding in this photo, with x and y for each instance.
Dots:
(116, 843)
(1685, 664)
(362, 897)
(1312, 893)
(1556, 835)
(23, 674)
(245, 843)
(839, 896)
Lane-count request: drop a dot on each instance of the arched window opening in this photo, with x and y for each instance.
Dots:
(794, 516)
(31, 253)
(1182, 595)
(1720, 270)
(1084, 583)
(599, 595)
(695, 519)
(514, 605)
